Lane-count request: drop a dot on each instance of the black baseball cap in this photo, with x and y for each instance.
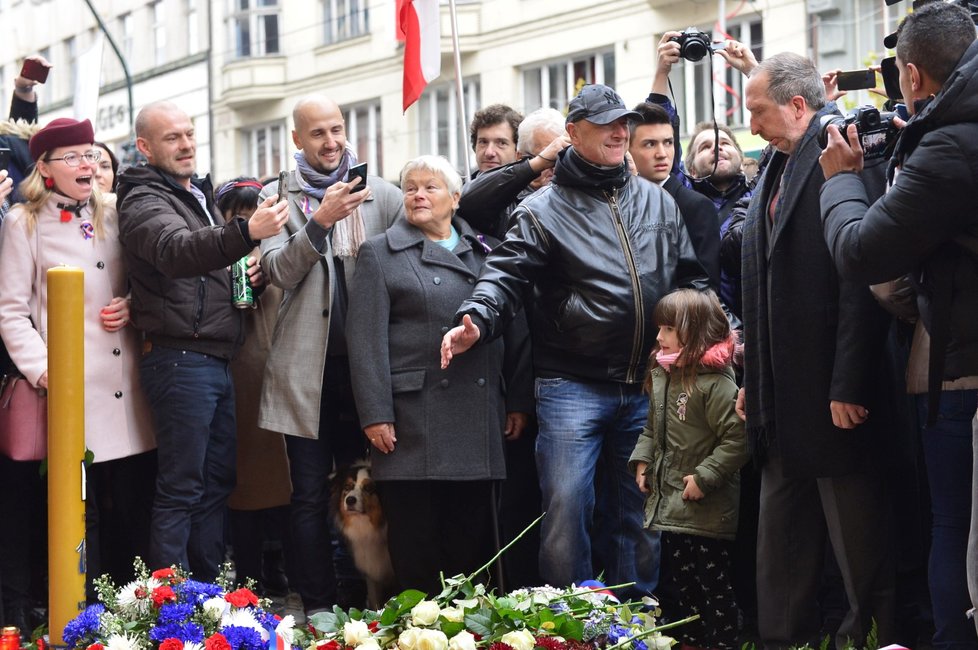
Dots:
(598, 104)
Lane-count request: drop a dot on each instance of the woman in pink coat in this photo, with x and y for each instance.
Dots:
(64, 221)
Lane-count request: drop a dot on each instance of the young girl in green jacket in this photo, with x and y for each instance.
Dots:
(687, 462)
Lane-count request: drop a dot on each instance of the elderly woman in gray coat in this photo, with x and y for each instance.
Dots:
(439, 433)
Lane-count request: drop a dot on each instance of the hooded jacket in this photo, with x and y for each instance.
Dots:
(699, 433)
(925, 225)
(178, 263)
(591, 254)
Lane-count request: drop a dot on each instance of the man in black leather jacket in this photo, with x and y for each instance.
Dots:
(925, 228)
(591, 255)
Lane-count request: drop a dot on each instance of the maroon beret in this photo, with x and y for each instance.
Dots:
(62, 132)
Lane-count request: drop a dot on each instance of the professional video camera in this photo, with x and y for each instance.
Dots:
(875, 129)
(694, 44)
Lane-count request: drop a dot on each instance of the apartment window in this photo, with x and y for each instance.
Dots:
(70, 49)
(125, 32)
(255, 25)
(44, 91)
(265, 148)
(159, 32)
(555, 83)
(441, 130)
(692, 83)
(193, 27)
(364, 135)
(343, 19)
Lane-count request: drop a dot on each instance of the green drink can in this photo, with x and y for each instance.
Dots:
(241, 294)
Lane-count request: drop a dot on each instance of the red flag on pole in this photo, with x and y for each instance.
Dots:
(420, 20)
(398, 32)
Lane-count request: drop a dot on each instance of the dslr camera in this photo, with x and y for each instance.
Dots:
(875, 129)
(694, 44)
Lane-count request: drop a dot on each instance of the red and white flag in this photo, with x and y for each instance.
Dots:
(420, 21)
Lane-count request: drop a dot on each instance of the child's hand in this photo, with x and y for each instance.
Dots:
(692, 491)
(640, 477)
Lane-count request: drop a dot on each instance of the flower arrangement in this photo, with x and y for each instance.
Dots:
(166, 610)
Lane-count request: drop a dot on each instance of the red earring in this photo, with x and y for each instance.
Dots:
(49, 183)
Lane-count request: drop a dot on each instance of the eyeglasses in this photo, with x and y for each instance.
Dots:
(74, 159)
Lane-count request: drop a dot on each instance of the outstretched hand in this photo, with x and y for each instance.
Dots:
(458, 339)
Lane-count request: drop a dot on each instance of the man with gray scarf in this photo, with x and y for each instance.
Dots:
(312, 260)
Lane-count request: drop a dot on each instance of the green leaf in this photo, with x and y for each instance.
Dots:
(570, 628)
(390, 614)
(409, 598)
(325, 622)
(480, 622)
(451, 628)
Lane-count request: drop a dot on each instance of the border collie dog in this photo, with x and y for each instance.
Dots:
(361, 522)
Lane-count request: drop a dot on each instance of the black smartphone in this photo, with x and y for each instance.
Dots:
(856, 80)
(891, 78)
(4, 158)
(355, 171)
(283, 188)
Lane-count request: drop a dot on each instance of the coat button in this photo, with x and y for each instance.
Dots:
(480, 381)
(444, 330)
(437, 280)
(118, 394)
(471, 280)
(443, 383)
(326, 313)
(100, 265)
(658, 407)
(116, 351)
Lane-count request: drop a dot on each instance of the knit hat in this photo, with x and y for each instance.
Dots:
(62, 132)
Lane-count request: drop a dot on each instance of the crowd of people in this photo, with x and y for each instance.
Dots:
(749, 395)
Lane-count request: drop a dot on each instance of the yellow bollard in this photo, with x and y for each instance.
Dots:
(66, 448)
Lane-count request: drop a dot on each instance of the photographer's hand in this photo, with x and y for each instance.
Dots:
(667, 56)
(831, 82)
(739, 57)
(840, 155)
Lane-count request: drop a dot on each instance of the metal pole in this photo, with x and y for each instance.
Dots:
(720, 70)
(122, 61)
(459, 92)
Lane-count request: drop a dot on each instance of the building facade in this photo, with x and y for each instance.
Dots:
(238, 66)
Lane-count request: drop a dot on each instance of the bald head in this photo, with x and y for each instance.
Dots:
(320, 132)
(165, 135)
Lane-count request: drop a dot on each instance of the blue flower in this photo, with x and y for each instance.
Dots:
(183, 631)
(243, 638)
(175, 613)
(192, 591)
(82, 629)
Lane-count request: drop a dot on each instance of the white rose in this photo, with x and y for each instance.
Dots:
(432, 640)
(355, 633)
(408, 640)
(453, 614)
(520, 640)
(464, 640)
(215, 607)
(425, 613)
(369, 644)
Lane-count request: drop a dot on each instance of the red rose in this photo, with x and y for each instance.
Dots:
(162, 595)
(164, 574)
(217, 641)
(95, 646)
(373, 626)
(323, 644)
(241, 598)
(171, 644)
(140, 592)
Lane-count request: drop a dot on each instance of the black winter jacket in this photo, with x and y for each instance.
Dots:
(489, 199)
(920, 226)
(591, 265)
(178, 263)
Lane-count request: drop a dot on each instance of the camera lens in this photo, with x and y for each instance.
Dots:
(694, 49)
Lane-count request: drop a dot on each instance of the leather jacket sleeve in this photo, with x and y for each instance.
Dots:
(485, 199)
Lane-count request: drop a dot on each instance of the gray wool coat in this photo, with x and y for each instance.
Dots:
(292, 384)
(448, 423)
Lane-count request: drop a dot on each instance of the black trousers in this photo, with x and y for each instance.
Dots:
(436, 526)
(697, 572)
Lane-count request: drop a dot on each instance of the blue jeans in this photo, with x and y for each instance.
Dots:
(948, 455)
(192, 399)
(586, 427)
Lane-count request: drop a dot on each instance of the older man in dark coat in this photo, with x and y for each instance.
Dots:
(813, 346)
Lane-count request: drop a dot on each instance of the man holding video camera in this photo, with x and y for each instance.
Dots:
(926, 228)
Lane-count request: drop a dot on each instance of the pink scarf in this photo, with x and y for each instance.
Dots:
(717, 356)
